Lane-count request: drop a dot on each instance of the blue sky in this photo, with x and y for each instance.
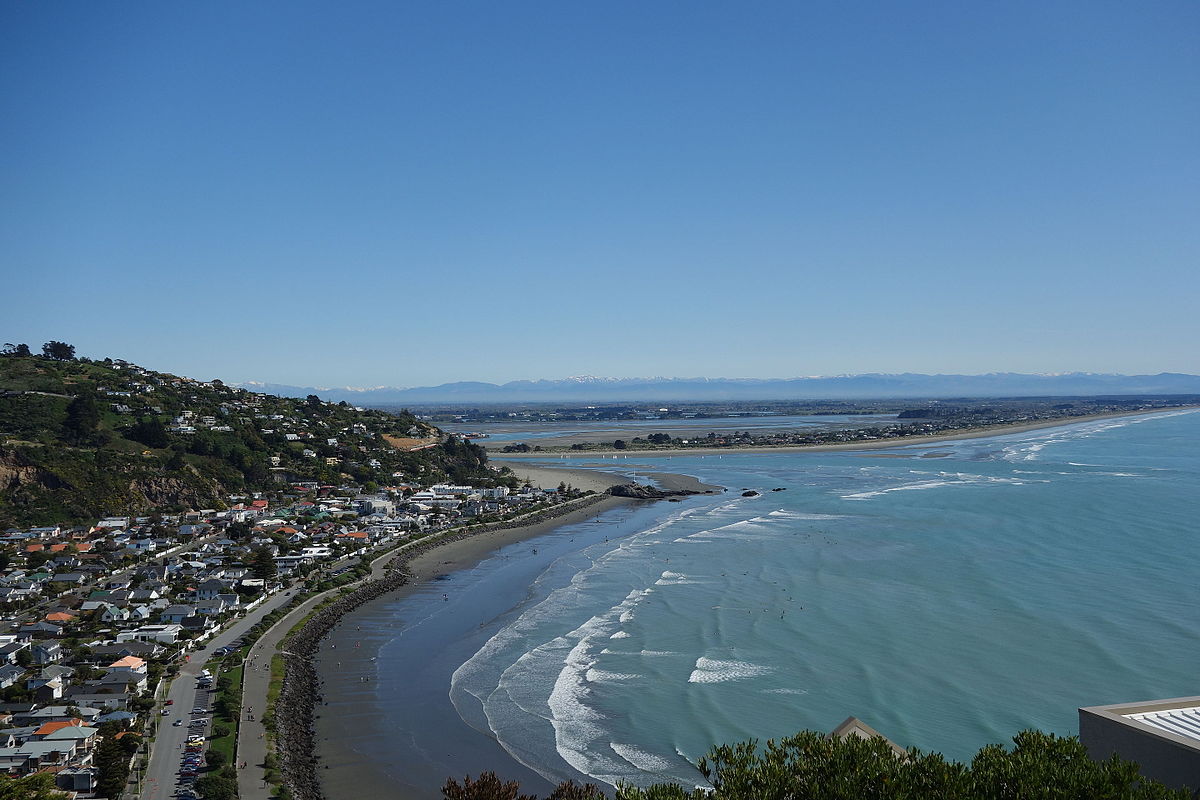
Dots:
(405, 194)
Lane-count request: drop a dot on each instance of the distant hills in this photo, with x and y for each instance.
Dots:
(839, 387)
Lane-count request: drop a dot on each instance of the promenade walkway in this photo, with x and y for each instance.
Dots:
(159, 780)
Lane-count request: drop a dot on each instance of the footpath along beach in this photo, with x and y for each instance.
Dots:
(346, 704)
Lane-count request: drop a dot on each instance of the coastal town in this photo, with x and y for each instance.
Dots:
(99, 617)
(225, 508)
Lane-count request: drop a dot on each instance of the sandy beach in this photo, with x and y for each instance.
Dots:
(874, 444)
(351, 769)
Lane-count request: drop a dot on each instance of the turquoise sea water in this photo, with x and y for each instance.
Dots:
(947, 595)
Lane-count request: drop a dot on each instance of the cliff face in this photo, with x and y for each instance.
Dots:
(47, 485)
(164, 491)
(14, 474)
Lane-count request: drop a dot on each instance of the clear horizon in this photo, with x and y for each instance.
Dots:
(382, 195)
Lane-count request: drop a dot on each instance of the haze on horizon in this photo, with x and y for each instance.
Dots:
(407, 195)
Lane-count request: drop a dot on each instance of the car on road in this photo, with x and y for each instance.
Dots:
(169, 703)
(177, 723)
(166, 712)
(199, 710)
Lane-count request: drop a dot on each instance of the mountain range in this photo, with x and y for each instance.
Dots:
(839, 387)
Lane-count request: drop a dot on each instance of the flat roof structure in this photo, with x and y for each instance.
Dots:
(1162, 736)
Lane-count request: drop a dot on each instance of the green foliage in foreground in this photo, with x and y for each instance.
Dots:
(33, 787)
(811, 766)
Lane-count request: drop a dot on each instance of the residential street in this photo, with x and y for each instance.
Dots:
(161, 777)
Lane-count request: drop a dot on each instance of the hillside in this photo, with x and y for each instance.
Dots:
(81, 439)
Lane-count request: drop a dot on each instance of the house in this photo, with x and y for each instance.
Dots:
(48, 691)
(166, 634)
(10, 674)
(210, 589)
(111, 613)
(8, 652)
(40, 755)
(128, 665)
(49, 673)
(1162, 736)
(41, 629)
(46, 652)
(77, 779)
(197, 623)
(83, 695)
(175, 615)
(84, 737)
(211, 607)
(120, 649)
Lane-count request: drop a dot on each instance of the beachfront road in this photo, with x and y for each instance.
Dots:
(161, 775)
(252, 742)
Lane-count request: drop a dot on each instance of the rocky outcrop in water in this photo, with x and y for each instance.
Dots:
(640, 491)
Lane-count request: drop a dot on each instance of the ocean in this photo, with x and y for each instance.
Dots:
(949, 595)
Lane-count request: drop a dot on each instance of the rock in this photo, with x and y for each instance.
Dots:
(749, 493)
(642, 492)
(779, 489)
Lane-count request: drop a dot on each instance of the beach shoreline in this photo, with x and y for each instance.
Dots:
(348, 773)
(872, 444)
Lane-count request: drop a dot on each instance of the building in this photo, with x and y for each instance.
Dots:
(1162, 736)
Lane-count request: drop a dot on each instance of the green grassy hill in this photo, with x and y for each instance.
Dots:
(81, 439)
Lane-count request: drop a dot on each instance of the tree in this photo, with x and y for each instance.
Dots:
(58, 351)
(239, 530)
(150, 432)
(16, 350)
(83, 415)
(39, 786)
(489, 787)
(262, 563)
(619, 444)
(215, 758)
(486, 787)
(217, 787)
(813, 766)
(113, 763)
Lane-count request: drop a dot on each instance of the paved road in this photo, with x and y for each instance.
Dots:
(160, 780)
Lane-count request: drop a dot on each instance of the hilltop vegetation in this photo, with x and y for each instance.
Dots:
(83, 438)
(812, 766)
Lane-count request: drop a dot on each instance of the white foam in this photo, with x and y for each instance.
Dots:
(800, 515)
(674, 579)
(948, 479)
(639, 758)
(711, 670)
(785, 691)
(602, 676)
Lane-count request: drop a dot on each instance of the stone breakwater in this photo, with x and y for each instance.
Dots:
(299, 696)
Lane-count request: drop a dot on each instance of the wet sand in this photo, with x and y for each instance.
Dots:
(356, 764)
